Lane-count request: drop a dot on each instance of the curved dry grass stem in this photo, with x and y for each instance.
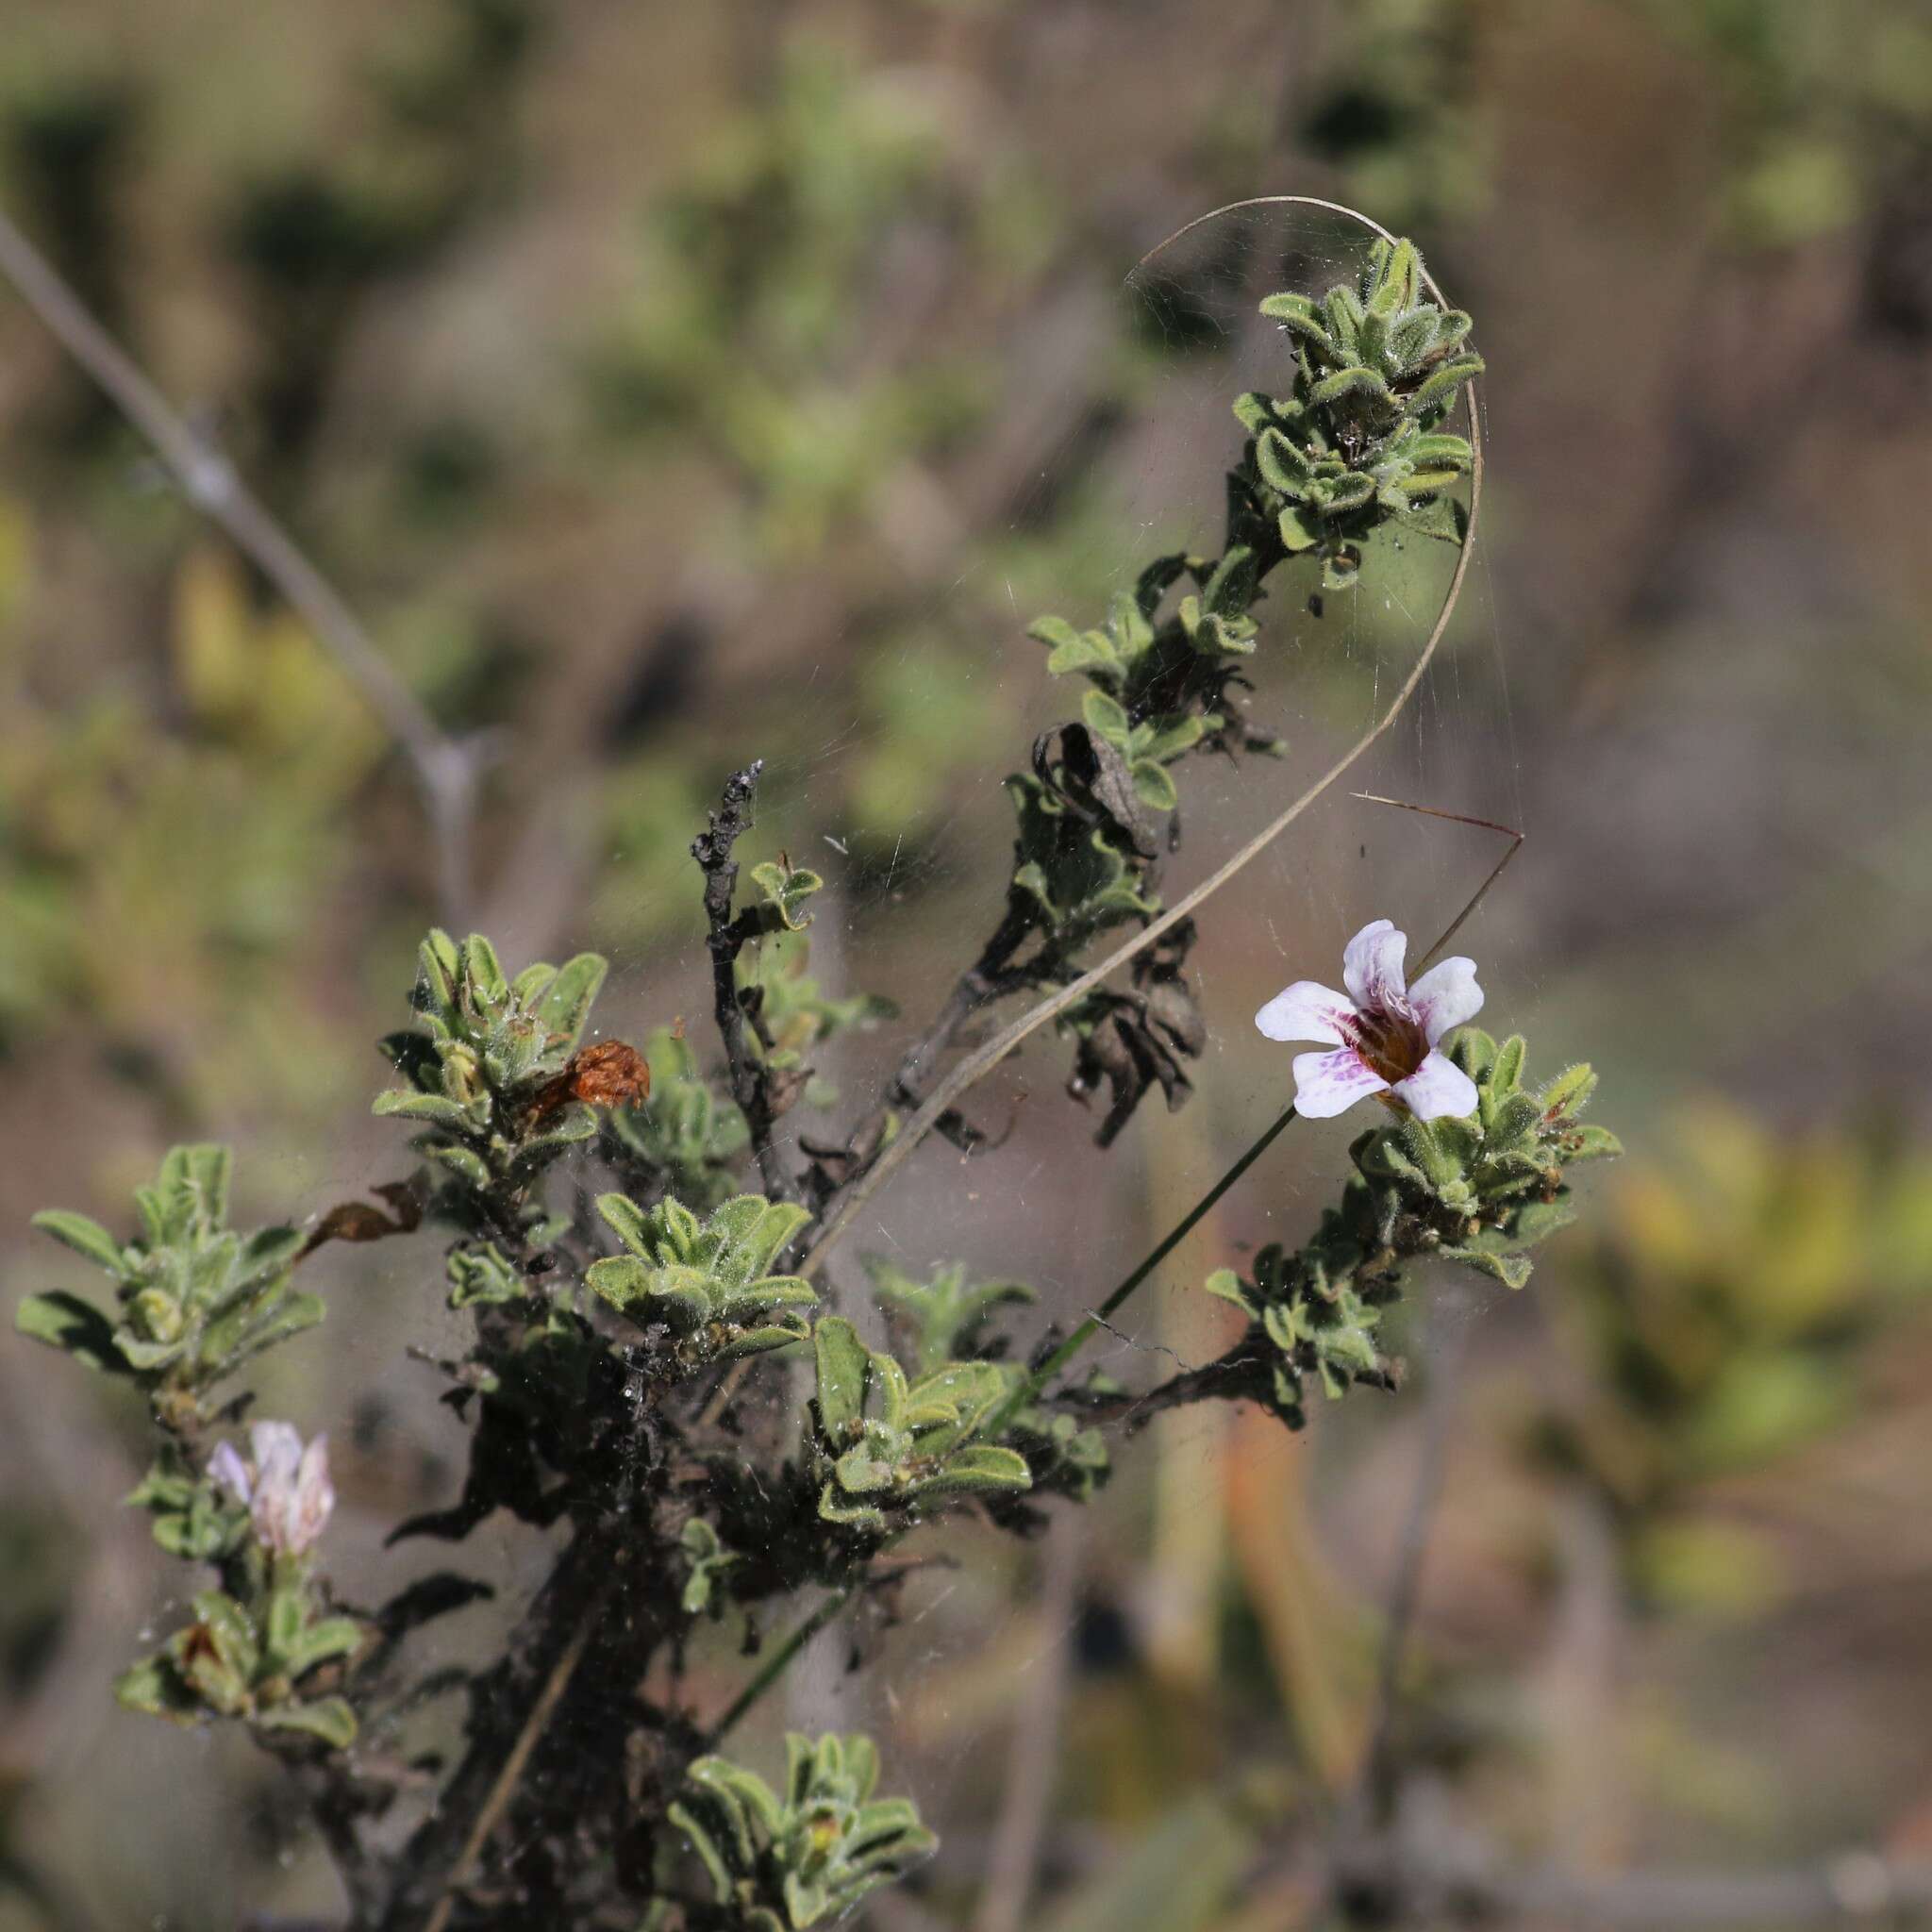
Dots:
(977, 1065)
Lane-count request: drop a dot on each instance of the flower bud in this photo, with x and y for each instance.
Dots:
(286, 1487)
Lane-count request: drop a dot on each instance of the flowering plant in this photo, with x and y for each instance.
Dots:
(627, 1373)
(284, 1486)
(1382, 1034)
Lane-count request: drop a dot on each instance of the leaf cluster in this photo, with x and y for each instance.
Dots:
(944, 1319)
(706, 1286)
(782, 1862)
(890, 1444)
(1482, 1192)
(1354, 444)
(246, 1658)
(198, 1300)
(483, 1062)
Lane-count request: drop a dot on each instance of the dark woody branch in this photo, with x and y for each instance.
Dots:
(728, 934)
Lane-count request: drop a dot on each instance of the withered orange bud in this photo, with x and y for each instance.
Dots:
(610, 1074)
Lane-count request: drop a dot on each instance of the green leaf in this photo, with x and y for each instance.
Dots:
(438, 967)
(206, 1169)
(399, 1103)
(633, 1226)
(83, 1236)
(1281, 465)
(781, 1332)
(747, 1792)
(529, 985)
(330, 1636)
(288, 1611)
(65, 1322)
(762, 1296)
(1055, 632)
(1439, 391)
(1295, 534)
(154, 1687)
(225, 1346)
(864, 1516)
(1569, 1093)
(620, 1280)
(467, 1165)
(1153, 785)
(980, 1467)
(1105, 718)
(1357, 383)
(1513, 1270)
(147, 1356)
(1127, 623)
(843, 1366)
(566, 1003)
(271, 1252)
(1092, 652)
(1229, 1287)
(482, 1275)
(1231, 589)
(228, 1627)
(482, 970)
(329, 1720)
(786, 889)
(1507, 1074)
(1168, 738)
(1299, 315)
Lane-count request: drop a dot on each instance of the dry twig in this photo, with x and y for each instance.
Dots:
(446, 770)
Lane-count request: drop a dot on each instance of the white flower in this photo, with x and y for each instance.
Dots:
(1381, 1034)
(285, 1486)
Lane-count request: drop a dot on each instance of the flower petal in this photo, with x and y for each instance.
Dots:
(227, 1469)
(1326, 1084)
(1446, 995)
(1305, 1010)
(278, 1448)
(1372, 965)
(1437, 1090)
(315, 1497)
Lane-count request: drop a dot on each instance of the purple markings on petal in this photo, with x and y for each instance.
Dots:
(1379, 1030)
(1437, 1090)
(1372, 964)
(1326, 1084)
(1307, 1010)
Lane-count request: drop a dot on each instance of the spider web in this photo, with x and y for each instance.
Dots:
(902, 914)
(1039, 1203)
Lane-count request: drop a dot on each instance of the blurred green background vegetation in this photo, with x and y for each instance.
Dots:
(672, 385)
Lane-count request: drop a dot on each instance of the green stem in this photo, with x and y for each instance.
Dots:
(1029, 1390)
(779, 1660)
